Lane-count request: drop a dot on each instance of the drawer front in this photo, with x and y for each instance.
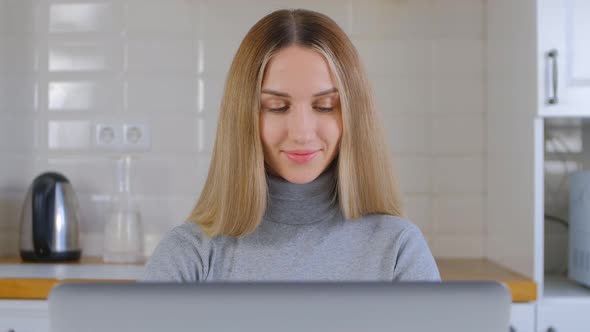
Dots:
(24, 316)
(522, 317)
(566, 316)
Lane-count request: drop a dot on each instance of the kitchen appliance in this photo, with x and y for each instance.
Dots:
(579, 228)
(50, 220)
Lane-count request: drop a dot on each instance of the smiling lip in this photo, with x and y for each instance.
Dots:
(301, 156)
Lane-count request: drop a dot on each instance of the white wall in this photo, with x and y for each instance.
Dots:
(65, 65)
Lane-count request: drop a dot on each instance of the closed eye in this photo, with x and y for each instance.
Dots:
(325, 109)
(279, 110)
(285, 108)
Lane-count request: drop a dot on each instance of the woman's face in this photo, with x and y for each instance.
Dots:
(300, 118)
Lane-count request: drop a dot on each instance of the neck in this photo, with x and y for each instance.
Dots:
(292, 203)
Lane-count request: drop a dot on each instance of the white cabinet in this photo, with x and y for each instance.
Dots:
(563, 61)
(522, 317)
(24, 316)
(564, 307)
(563, 316)
(541, 51)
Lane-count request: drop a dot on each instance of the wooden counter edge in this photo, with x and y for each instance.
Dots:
(522, 291)
(39, 289)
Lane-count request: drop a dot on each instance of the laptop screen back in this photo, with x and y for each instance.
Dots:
(279, 306)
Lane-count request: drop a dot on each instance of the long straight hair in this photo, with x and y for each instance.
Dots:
(234, 198)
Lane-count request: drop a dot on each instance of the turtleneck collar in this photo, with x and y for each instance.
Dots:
(297, 204)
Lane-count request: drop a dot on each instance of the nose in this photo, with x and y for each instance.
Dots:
(302, 125)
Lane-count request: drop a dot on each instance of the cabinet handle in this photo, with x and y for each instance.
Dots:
(512, 329)
(554, 79)
(551, 329)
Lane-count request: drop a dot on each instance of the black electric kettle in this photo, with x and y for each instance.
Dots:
(50, 220)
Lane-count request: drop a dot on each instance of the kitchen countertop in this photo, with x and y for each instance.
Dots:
(86, 268)
(523, 289)
(22, 280)
(34, 281)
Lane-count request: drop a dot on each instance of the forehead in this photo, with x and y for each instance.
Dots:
(298, 71)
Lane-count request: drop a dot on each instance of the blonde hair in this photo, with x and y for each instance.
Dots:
(234, 198)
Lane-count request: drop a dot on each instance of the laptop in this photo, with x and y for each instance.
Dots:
(280, 307)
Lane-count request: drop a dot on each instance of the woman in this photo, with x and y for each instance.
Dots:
(300, 185)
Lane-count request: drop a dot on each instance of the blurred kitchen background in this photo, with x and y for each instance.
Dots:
(66, 67)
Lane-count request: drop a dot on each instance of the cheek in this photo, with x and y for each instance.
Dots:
(332, 130)
(269, 131)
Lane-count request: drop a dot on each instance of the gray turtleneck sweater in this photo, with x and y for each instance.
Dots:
(303, 237)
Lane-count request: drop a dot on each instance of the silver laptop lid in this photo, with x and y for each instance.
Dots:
(279, 306)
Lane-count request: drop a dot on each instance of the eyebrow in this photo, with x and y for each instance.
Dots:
(283, 94)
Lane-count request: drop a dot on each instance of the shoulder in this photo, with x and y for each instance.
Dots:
(412, 258)
(392, 225)
(181, 255)
(190, 236)
(386, 229)
(183, 236)
(187, 232)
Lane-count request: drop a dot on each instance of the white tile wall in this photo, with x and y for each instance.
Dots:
(15, 173)
(402, 59)
(162, 55)
(80, 56)
(452, 175)
(409, 134)
(458, 59)
(230, 20)
(173, 176)
(162, 93)
(18, 54)
(65, 65)
(418, 209)
(100, 95)
(414, 174)
(20, 94)
(457, 134)
(92, 16)
(457, 95)
(410, 20)
(456, 246)
(69, 135)
(178, 134)
(78, 169)
(412, 95)
(17, 16)
(154, 17)
(458, 19)
(11, 209)
(457, 214)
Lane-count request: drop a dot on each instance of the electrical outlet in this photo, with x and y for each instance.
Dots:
(108, 136)
(136, 136)
(122, 136)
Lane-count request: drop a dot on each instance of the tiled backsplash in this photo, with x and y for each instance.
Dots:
(67, 65)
